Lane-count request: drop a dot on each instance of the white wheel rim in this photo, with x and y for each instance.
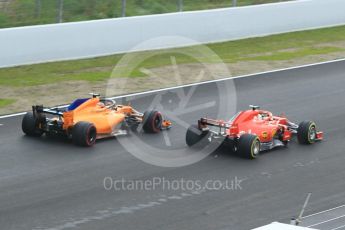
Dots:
(312, 134)
(256, 148)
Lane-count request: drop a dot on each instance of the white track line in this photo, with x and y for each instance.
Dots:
(328, 210)
(227, 78)
(201, 83)
(340, 227)
(326, 221)
(13, 115)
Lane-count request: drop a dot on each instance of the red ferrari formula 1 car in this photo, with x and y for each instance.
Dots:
(86, 120)
(252, 131)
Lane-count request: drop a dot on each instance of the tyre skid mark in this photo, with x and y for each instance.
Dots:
(111, 212)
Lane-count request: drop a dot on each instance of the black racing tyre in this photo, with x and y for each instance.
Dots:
(195, 136)
(306, 132)
(29, 126)
(249, 146)
(84, 134)
(152, 122)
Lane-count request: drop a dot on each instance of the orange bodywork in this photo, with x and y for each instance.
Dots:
(104, 119)
(166, 124)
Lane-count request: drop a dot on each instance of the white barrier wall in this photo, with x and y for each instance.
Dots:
(35, 44)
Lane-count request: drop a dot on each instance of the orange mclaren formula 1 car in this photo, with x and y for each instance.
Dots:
(86, 120)
(252, 131)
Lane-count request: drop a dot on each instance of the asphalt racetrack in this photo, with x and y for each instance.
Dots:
(51, 184)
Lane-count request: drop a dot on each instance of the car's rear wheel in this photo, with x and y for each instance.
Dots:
(196, 137)
(306, 132)
(152, 122)
(29, 125)
(84, 134)
(249, 146)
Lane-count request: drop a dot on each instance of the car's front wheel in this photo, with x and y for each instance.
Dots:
(152, 122)
(306, 132)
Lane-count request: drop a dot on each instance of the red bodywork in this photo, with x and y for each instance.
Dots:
(261, 123)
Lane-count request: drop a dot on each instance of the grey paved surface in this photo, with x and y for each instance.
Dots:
(332, 219)
(50, 184)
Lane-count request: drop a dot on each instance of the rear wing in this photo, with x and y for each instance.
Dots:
(203, 122)
(66, 117)
(225, 128)
(39, 109)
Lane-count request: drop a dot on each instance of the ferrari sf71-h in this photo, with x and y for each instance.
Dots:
(252, 131)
